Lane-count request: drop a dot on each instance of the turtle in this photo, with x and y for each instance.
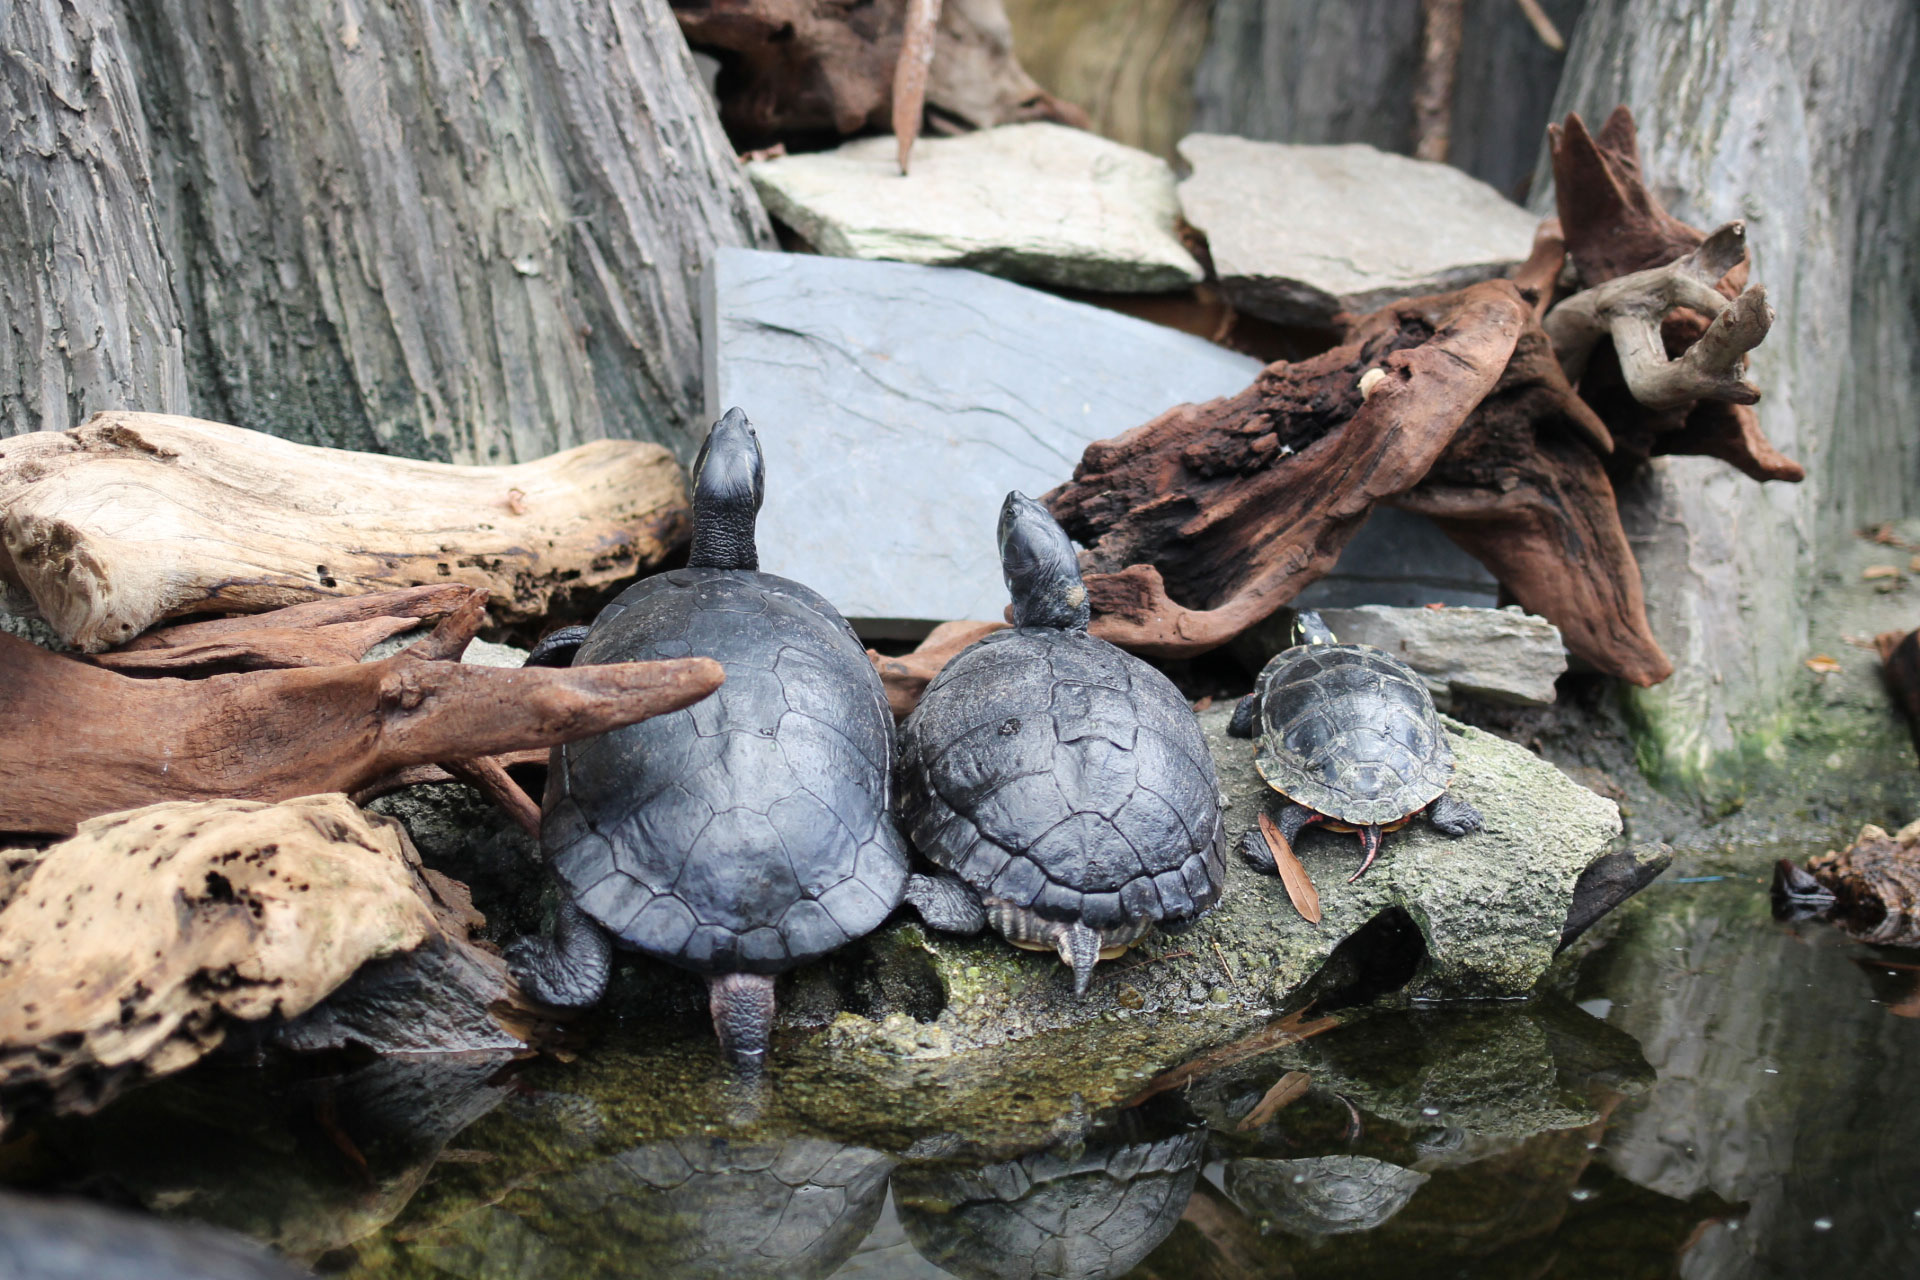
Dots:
(691, 1207)
(1062, 787)
(1090, 1208)
(1349, 735)
(749, 833)
(1320, 1196)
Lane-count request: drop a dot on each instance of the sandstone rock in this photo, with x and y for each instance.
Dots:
(1038, 202)
(897, 405)
(1477, 917)
(1299, 233)
(1503, 655)
(140, 943)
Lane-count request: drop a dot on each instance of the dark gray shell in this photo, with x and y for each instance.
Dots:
(1350, 731)
(696, 1208)
(1052, 771)
(1322, 1196)
(1087, 1213)
(749, 832)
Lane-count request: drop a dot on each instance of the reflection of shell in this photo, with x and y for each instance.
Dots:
(690, 1208)
(1323, 1196)
(65, 1239)
(1087, 1214)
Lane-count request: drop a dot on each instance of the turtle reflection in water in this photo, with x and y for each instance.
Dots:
(689, 1208)
(43, 1239)
(1349, 735)
(1323, 1196)
(1089, 1210)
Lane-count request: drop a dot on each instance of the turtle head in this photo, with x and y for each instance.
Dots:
(1309, 629)
(1042, 572)
(729, 479)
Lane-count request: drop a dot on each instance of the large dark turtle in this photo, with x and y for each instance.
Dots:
(1348, 734)
(749, 833)
(49, 1239)
(1086, 1210)
(1062, 784)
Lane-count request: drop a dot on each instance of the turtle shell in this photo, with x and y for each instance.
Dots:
(749, 832)
(1051, 771)
(1321, 1196)
(1350, 731)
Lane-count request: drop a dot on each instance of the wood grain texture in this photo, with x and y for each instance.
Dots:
(132, 518)
(456, 229)
(1129, 63)
(91, 321)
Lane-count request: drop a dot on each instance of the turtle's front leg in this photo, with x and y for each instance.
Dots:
(1452, 816)
(1292, 820)
(568, 970)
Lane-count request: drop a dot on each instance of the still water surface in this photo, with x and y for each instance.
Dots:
(1707, 1094)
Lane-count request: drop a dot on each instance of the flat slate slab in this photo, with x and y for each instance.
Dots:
(1038, 202)
(1298, 233)
(897, 405)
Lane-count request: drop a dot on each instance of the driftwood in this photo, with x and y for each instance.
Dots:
(1614, 227)
(1870, 890)
(795, 69)
(87, 741)
(141, 942)
(132, 518)
(910, 74)
(1242, 501)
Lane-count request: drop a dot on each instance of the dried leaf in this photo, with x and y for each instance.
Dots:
(1203, 704)
(1306, 900)
(910, 73)
(1881, 571)
(1823, 664)
(1288, 1089)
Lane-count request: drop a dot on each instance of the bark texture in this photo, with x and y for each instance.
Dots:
(132, 518)
(90, 321)
(464, 230)
(1801, 120)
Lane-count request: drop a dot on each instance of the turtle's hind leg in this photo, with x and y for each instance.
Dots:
(742, 1008)
(1452, 816)
(946, 903)
(568, 970)
(1291, 821)
(556, 648)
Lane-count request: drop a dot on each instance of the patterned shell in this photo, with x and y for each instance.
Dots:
(1050, 770)
(1350, 731)
(749, 832)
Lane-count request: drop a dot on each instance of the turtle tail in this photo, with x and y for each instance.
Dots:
(742, 1008)
(1079, 946)
(1369, 841)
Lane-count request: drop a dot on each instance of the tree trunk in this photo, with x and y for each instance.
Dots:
(90, 321)
(1803, 120)
(444, 228)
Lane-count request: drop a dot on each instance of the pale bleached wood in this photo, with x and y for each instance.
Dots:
(131, 518)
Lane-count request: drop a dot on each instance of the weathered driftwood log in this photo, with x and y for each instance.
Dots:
(85, 741)
(1870, 889)
(140, 943)
(1523, 489)
(1630, 309)
(794, 68)
(1615, 227)
(920, 30)
(131, 518)
(1242, 501)
(1900, 668)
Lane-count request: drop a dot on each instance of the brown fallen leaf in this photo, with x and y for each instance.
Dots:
(1203, 704)
(910, 74)
(1287, 1090)
(1823, 664)
(1306, 900)
(1291, 1029)
(1873, 571)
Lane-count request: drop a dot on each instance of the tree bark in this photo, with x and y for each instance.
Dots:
(456, 230)
(90, 320)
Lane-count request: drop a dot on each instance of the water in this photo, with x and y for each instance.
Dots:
(1708, 1094)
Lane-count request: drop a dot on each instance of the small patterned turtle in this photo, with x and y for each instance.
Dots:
(748, 833)
(1321, 1196)
(1348, 734)
(1062, 785)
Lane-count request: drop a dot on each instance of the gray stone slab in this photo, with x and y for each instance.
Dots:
(1503, 655)
(897, 405)
(1298, 233)
(1038, 202)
